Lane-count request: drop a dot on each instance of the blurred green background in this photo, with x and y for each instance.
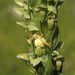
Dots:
(12, 39)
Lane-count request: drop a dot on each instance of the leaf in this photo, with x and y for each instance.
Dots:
(59, 57)
(26, 15)
(31, 60)
(42, 6)
(60, 2)
(18, 11)
(30, 67)
(19, 2)
(49, 0)
(32, 27)
(36, 9)
(26, 1)
(50, 35)
(52, 9)
(55, 37)
(59, 45)
(55, 53)
(22, 24)
(23, 56)
(47, 63)
(37, 61)
(25, 6)
(41, 71)
(40, 52)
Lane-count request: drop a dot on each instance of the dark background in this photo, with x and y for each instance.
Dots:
(12, 39)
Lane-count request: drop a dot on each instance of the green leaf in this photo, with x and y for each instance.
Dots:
(59, 3)
(32, 27)
(23, 56)
(50, 35)
(26, 15)
(18, 11)
(40, 52)
(47, 63)
(59, 57)
(22, 24)
(37, 61)
(26, 1)
(42, 6)
(41, 71)
(19, 2)
(55, 53)
(31, 60)
(55, 37)
(30, 67)
(59, 0)
(52, 9)
(25, 6)
(49, 0)
(36, 9)
(59, 45)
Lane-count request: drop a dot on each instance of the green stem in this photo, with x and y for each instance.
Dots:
(56, 3)
(33, 48)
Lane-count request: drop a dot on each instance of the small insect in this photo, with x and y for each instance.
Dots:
(40, 41)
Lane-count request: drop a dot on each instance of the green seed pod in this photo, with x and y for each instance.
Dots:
(42, 15)
(50, 24)
(58, 65)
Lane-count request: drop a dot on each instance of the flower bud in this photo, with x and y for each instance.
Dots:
(58, 65)
(42, 15)
(50, 24)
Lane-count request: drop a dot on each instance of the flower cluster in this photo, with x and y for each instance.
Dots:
(40, 21)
